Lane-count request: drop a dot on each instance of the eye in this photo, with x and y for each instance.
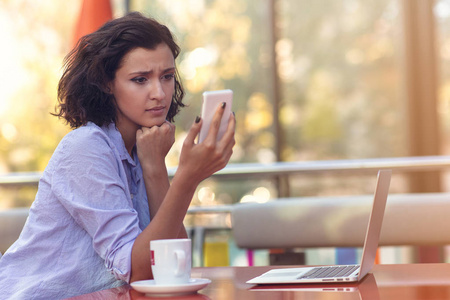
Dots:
(168, 76)
(139, 79)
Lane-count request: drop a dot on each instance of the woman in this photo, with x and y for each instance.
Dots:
(105, 192)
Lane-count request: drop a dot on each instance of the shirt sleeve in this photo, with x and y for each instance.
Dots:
(90, 182)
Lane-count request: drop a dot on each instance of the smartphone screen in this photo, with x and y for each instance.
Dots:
(211, 101)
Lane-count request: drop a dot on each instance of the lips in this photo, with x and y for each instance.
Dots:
(156, 108)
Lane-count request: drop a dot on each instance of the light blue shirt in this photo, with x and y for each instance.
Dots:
(90, 206)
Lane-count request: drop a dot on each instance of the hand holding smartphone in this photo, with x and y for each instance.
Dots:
(211, 101)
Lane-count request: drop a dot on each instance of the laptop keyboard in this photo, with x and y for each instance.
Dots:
(328, 272)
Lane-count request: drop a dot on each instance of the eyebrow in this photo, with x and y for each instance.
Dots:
(171, 69)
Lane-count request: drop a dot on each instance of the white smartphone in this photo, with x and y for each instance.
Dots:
(211, 101)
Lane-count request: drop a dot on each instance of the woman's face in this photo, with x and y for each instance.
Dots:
(143, 87)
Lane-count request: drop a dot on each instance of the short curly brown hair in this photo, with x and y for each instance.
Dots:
(88, 69)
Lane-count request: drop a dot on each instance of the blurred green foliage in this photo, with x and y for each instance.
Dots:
(338, 64)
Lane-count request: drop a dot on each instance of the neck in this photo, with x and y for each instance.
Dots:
(128, 136)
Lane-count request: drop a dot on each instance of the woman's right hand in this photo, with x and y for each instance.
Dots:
(199, 161)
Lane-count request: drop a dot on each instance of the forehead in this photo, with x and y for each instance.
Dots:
(143, 58)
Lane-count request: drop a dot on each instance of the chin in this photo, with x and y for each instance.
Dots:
(154, 123)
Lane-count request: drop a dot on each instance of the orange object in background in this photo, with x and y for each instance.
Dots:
(93, 14)
(377, 257)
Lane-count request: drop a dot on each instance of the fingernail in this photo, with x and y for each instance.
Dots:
(224, 104)
(197, 119)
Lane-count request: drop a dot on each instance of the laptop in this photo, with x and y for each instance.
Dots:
(364, 290)
(340, 273)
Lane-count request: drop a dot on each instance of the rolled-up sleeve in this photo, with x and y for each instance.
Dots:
(91, 184)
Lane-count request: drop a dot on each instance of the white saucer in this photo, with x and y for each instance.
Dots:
(150, 288)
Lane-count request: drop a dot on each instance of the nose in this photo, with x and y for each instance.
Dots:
(156, 91)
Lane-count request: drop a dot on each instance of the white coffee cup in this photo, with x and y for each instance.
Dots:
(171, 261)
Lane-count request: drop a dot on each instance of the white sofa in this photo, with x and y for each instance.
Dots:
(11, 224)
(410, 219)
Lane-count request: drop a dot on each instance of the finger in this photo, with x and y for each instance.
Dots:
(229, 146)
(193, 131)
(215, 123)
(139, 132)
(228, 149)
(229, 133)
(167, 127)
(227, 142)
(167, 123)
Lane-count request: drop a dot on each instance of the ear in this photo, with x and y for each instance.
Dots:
(109, 88)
